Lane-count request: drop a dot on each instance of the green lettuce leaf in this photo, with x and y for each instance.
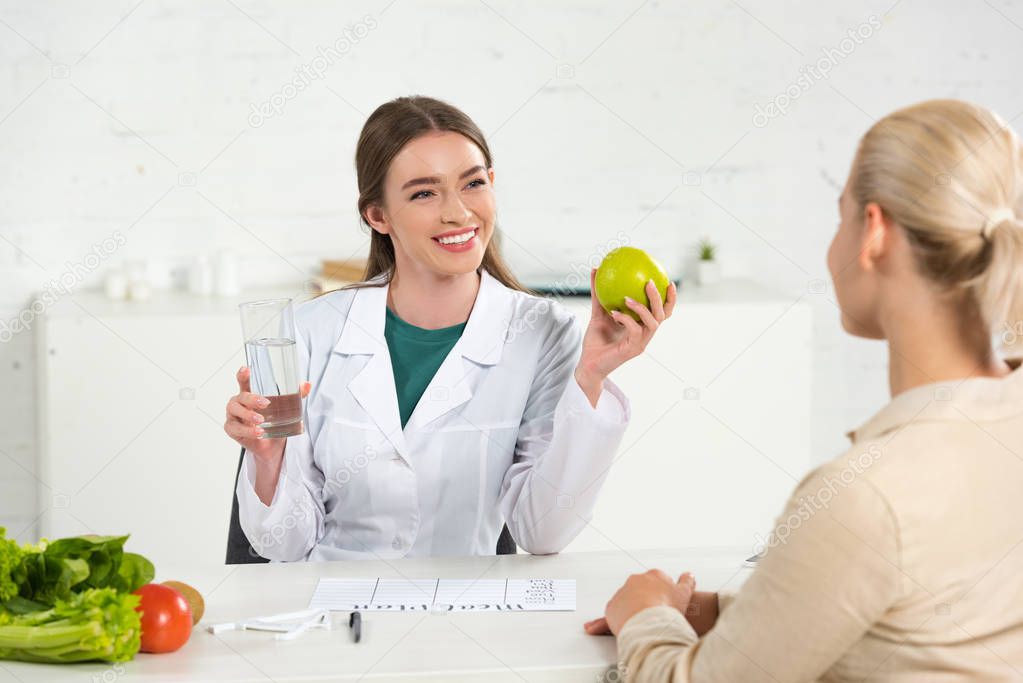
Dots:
(52, 571)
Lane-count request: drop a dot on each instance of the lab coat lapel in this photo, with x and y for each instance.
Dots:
(373, 387)
(480, 345)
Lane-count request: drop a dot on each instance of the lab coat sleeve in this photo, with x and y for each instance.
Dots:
(564, 449)
(291, 525)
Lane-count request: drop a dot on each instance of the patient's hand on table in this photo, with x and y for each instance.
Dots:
(641, 591)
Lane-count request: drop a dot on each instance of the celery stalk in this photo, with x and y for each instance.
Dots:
(96, 624)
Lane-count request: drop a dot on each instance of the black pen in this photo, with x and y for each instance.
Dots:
(355, 623)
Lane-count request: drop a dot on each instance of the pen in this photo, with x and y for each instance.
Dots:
(355, 623)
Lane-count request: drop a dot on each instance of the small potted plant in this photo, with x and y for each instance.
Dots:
(708, 270)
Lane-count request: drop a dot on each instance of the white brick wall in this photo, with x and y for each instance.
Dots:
(602, 116)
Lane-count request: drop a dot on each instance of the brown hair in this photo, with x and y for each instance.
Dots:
(387, 130)
(950, 174)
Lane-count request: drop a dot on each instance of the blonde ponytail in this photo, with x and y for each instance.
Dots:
(951, 175)
(998, 288)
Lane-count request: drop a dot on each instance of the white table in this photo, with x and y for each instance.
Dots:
(526, 646)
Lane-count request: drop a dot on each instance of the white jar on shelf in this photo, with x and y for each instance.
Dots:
(115, 285)
(139, 289)
(200, 280)
(225, 274)
(136, 273)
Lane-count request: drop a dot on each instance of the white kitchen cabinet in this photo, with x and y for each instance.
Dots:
(131, 411)
(720, 430)
(131, 407)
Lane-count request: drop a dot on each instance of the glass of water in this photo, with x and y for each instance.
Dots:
(269, 330)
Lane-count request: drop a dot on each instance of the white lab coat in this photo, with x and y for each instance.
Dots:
(502, 434)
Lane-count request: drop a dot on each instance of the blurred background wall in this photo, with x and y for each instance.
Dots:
(168, 130)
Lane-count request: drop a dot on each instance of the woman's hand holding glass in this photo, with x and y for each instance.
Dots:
(244, 420)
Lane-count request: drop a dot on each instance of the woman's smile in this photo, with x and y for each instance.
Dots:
(462, 239)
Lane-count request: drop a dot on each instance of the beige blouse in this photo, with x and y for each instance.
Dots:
(901, 560)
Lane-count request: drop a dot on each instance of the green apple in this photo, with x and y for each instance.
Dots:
(624, 272)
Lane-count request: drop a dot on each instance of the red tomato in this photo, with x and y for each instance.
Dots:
(166, 618)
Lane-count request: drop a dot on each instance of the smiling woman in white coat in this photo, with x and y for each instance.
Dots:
(443, 401)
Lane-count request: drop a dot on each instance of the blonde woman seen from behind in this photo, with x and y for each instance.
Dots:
(901, 560)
